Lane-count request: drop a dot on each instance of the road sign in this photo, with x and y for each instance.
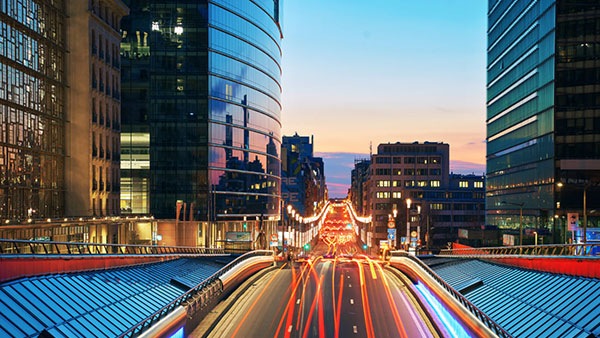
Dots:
(573, 220)
(413, 234)
(391, 224)
(391, 234)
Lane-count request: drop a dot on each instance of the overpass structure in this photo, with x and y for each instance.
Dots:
(52, 289)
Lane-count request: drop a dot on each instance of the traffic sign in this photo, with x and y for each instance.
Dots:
(391, 234)
(413, 234)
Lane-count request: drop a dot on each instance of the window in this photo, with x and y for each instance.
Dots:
(409, 183)
(436, 206)
(382, 194)
(396, 194)
(396, 183)
(383, 183)
(435, 160)
(409, 160)
(463, 184)
(478, 184)
(383, 160)
(434, 184)
(382, 172)
(409, 172)
(422, 160)
(398, 172)
(422, 183)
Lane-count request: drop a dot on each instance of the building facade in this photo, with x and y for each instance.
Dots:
(49, 122)
(410, 194)
(201, 110)
(303, 176)
(543, 115)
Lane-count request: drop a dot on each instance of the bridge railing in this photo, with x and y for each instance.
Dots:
(25, 247)
(588, 249)
(487, 321)
(212, 285)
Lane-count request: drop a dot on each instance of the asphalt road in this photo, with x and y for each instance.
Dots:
(338, 297)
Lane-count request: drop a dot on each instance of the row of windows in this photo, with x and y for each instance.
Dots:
(223, 19)
(408, 159)
(407, 172)
(105, 13)
(105, 49)
(111, 151)
(233, 69)
(409, 183)
(233, 91)
(106, 80)
(103, 115)
(30, 92)
(228, 44)
(226, 112)
(254, 14)
(105, 178)
(43, 18)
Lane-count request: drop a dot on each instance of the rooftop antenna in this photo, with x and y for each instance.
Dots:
(370, 148)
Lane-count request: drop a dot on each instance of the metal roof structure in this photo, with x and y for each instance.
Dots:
(526, 303)
(102, 303)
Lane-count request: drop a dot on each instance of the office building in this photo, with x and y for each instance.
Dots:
(59, 108)
(303, 175)
(410, 194)
(201, 111)
(543, 116)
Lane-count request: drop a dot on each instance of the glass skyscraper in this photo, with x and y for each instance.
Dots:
(543, 114)
(201, 109)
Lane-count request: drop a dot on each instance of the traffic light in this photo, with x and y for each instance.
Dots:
(306, 246)
(245, 226)
(364, 247)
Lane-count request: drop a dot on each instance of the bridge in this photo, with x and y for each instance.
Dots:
(328, 288)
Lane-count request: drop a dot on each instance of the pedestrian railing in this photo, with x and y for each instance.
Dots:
(25, 247)
(212, 287)
(487, 321)
(588, 249)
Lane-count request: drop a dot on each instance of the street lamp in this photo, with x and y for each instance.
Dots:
(585, 188)
(408, 202)
(520, 205)
(395, 213)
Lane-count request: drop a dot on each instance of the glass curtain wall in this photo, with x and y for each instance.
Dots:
(32, 109)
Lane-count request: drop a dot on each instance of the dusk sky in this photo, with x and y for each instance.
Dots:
(357, 72)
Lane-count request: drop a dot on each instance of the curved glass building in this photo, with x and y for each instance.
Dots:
(201, 109)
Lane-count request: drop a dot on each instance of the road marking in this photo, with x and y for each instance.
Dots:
(290, 328)
(298, 301)
(351, 301)
(354, 329)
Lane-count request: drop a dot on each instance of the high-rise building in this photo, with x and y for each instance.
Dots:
(59, 108)
(201, 109)
(543, 115)
(303, 175)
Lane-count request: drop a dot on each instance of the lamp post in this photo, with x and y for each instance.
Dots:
(585, 188)
(395, 213)
(520, 205)
(408, 202)
(289, 210)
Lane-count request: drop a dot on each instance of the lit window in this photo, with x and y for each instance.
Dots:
(434, 183)
(383, 183)
(383, 194)
(397, 194)
(178, 30)
(422, 183)
(155, 26)
(463, 184)
(478, 184)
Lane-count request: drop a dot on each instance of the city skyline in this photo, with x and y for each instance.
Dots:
(383, 61)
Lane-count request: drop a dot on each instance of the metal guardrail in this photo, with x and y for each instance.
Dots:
(589, 249)
(154, 318)
(25, 247)
(490, 323)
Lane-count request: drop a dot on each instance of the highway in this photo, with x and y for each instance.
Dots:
(336, 292)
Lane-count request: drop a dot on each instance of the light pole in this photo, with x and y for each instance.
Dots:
(289, 210)
(395, 213)
(585, 188)
(408, 202)
(520, 205)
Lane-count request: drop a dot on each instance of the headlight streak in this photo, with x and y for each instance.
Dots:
(256, 301)
(390, 298)
(444, 316)
(365, 301)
